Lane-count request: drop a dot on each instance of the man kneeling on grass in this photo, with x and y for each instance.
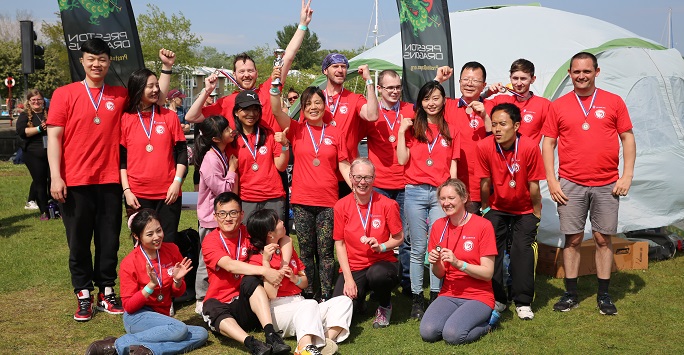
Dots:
(236, 300)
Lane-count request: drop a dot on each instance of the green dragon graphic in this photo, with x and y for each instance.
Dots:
(96, 8)
(417, 12)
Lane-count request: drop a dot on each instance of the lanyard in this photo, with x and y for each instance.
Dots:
(159, 275)
(591, 104)
(394, 108)
(364, 221)
(333, 110)
(92, 100)
(256, 140)
(320, 141)
(142, 123)
(237, 250)
(511, 168)
(432, 145)
(223, 158)
(446, 225)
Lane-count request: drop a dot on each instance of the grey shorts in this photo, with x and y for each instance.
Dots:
(599, 201)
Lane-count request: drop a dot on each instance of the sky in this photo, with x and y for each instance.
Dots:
(233, 26)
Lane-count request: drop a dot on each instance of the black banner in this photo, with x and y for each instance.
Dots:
(425, 44)
(114, 22)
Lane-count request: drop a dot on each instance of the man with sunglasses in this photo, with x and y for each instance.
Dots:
(292, 96)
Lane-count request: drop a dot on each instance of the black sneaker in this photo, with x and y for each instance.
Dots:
(257, 347)
(85, 307)
(109, 303)
(433, 296)
(566, 303)
(606, 305)
(277, 344)
(417, 309)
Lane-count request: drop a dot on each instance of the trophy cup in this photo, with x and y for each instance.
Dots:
(278, 62)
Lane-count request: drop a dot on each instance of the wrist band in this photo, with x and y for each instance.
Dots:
(383, 248)
(303, 27)
(464, 266)
(177, 282)
(148, 289)
(166, 71)
(124, 190)
(274, 91)
(285, 147)
(369, 82)
(484, 211)
(177, 178)
(299, 280)
(38, 129)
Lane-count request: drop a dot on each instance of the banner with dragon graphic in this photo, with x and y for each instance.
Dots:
(111, 20)
(425, 44)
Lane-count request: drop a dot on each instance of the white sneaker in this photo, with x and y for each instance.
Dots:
(198, 307)
(500, 307)
(524, 312)
(31, 205)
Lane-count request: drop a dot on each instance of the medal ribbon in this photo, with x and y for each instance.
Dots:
(446, 225)
(515, 156)
(237, 250)
(92, 100)
(316, 146)
(394, 108)
(364, 221)
(142, 123)
(585, 111)
(159, 275)
(333, 111)
(256, 140)
(223, 158)
(432, 145)
(231, 78)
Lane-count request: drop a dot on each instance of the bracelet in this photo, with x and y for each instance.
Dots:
(148, 289)
(484, 211)
(166, 71)
(124, 190)
(299, 280)
(177, 178)
(369, 82)
(464, 266)
(285, 147)
(383, 248)
(303, 27)
(177, 282)
(274, 91)
(38, 129)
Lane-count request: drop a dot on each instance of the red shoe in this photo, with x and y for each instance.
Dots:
(109, 303)
(85, 307)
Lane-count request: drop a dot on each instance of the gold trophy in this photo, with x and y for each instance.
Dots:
(278, 62)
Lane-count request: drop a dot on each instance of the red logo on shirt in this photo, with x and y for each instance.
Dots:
(468, 245)
(327, 141)
(109, 105)
(528, 118)
(600, 114)
(376, 223)
(263, 150)
(159, 129)
(444, 143)
(343, 109)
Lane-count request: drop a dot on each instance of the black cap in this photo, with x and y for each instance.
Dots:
(247, 98)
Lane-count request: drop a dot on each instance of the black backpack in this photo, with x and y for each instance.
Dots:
(661, 246)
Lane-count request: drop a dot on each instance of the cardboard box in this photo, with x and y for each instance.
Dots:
(627, 255)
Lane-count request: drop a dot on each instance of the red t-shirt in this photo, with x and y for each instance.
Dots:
(315, 185)
(133, 278)
(383, 222)
(469, 243)
(533, 112)
(590, 157)
(224, 107)
(530, 168)
(223, 285)
(287, 287)
(472, 130)
(347, 118)
(383, 152)
(151, 173)
(90, 152)
(264, 183)
(417, 171)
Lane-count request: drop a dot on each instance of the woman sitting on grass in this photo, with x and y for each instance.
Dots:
(151, 274)
(315, 325)
(462, 249)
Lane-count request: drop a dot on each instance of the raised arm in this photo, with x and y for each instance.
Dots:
(297, 39)
(167, 58)
(194, 114)
(369, 111)
(281, 117)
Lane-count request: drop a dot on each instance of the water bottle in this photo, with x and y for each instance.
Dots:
(494, 319)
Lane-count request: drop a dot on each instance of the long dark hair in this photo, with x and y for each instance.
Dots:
(210, 128)
(263, 131)
(258, 225)
(420, 122)
(140, 220)
(136, 89)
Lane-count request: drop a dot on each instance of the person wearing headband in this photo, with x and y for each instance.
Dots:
(84, 130)
(509, 169)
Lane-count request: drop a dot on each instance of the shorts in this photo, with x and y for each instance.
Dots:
(215, 311)
(599, 201)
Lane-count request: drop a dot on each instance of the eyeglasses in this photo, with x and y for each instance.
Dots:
(470, 81)
(358, 178)
(292, 98)
(36, 100)
(224, 214)
(391, 88)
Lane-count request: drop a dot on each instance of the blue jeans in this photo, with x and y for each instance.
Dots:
(422, 209)
(405, 247)
(159, 333)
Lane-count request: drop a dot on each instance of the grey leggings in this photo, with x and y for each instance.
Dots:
(456, 320)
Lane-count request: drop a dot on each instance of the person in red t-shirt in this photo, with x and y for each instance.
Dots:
(586, 124)
(462, 251)
(382, 151)
(151, 275)
(236, 299)
(154, 154)
(314, 324)
(429, 150)
(367, 229)
(470, 115)
(510, 167)
(319, 152)
(84, 130)
(533, 109)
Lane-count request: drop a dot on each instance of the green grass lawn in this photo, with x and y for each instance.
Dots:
(37, 303)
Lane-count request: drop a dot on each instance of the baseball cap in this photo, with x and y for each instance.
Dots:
(175, 93)
(334, 58)
(247, 98)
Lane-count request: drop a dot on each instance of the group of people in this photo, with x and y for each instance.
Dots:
(449, 183)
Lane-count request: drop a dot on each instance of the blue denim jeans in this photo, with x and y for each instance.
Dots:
(405, 247)
(422, 209)
(159, 333)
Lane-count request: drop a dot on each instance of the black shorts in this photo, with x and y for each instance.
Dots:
(215, 311)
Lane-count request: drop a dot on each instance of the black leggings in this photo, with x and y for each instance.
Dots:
(381, 278)
(39, 169)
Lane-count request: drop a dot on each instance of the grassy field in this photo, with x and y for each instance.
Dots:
(36, 303)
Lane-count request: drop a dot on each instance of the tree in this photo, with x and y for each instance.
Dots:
(307, 57)
(211, 57)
